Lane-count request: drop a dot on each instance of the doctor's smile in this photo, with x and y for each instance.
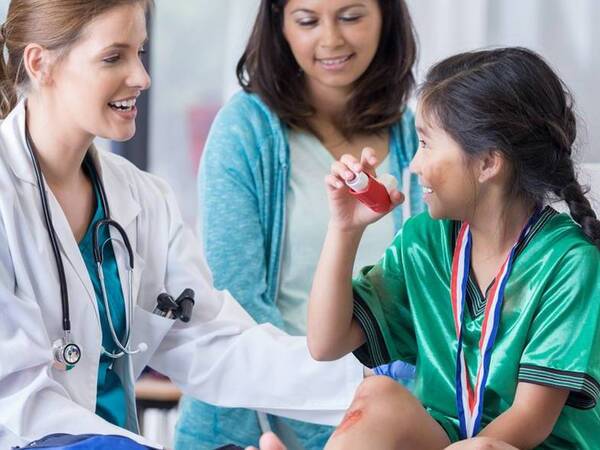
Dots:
(124, 106)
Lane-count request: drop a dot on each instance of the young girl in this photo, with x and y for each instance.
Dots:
(492, 294)
(320, 78)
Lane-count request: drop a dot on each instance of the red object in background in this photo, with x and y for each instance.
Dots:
(199, 121)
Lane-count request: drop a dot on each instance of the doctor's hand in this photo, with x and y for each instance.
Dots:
(398, 370)
(269, 441)
(347, 213)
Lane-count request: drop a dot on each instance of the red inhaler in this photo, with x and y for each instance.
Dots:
(370, 192)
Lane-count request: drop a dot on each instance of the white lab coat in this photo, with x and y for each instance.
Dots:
(221, 356)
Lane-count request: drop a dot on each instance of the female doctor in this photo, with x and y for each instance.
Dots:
(87, 242)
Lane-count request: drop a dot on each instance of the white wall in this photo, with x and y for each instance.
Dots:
(565, 32)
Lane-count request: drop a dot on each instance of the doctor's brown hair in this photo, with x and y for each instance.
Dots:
(509, 100)
(269, 69)
(53, 24)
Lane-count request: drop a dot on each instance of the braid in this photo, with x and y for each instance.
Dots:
(579, 206)
(563, 133)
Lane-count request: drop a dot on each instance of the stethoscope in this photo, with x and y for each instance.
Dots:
(66, 352)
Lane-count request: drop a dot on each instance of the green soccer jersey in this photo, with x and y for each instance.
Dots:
(549, 330)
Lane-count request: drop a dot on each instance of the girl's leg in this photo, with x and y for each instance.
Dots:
(481, 443)
(385, 416)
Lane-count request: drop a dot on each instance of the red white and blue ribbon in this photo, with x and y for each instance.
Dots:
(469, 400)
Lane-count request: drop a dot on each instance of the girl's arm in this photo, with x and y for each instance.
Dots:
(531, 418)
(332, 332)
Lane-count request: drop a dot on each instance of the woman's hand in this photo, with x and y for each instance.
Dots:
(269, 441)
(347, 213)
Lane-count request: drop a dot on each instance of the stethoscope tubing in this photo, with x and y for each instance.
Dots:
(116, 340)
(98, 256)
(64, 294)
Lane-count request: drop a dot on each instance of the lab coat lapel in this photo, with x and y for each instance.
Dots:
(17, 155)
(124, 208)
(70, 248)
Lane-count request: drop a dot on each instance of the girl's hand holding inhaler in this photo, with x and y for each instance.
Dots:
(351, 180)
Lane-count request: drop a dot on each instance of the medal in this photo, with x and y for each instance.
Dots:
(469, 399)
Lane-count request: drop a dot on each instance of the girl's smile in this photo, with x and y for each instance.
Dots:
(448, 182)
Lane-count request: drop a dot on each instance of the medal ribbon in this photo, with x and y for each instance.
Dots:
(469, 400)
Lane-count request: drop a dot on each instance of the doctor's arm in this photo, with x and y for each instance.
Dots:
(223, 357)
(32, 403)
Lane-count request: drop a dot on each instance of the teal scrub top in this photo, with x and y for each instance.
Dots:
(110, 401)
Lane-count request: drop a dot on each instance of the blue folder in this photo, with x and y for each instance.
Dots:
(84, 442)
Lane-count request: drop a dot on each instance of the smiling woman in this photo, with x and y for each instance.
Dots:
(75, 69)
(71, 347)
(104, 69)
(366, 48)
(60, 35)
(321, 78)
(333, 47)
(82, 70)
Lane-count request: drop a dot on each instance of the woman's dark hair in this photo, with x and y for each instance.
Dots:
(269, 69)
(509, 100)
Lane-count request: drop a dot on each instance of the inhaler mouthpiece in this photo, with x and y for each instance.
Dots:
(375, 193)
(359, 183)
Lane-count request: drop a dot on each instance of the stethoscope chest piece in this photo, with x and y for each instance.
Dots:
(66, 354)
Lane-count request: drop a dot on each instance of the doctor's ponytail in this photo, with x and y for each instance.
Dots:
(54, 25)
(8, 92)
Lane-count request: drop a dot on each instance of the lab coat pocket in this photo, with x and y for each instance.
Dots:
(148, 329)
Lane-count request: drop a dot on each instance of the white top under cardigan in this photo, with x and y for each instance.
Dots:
(307, 215)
